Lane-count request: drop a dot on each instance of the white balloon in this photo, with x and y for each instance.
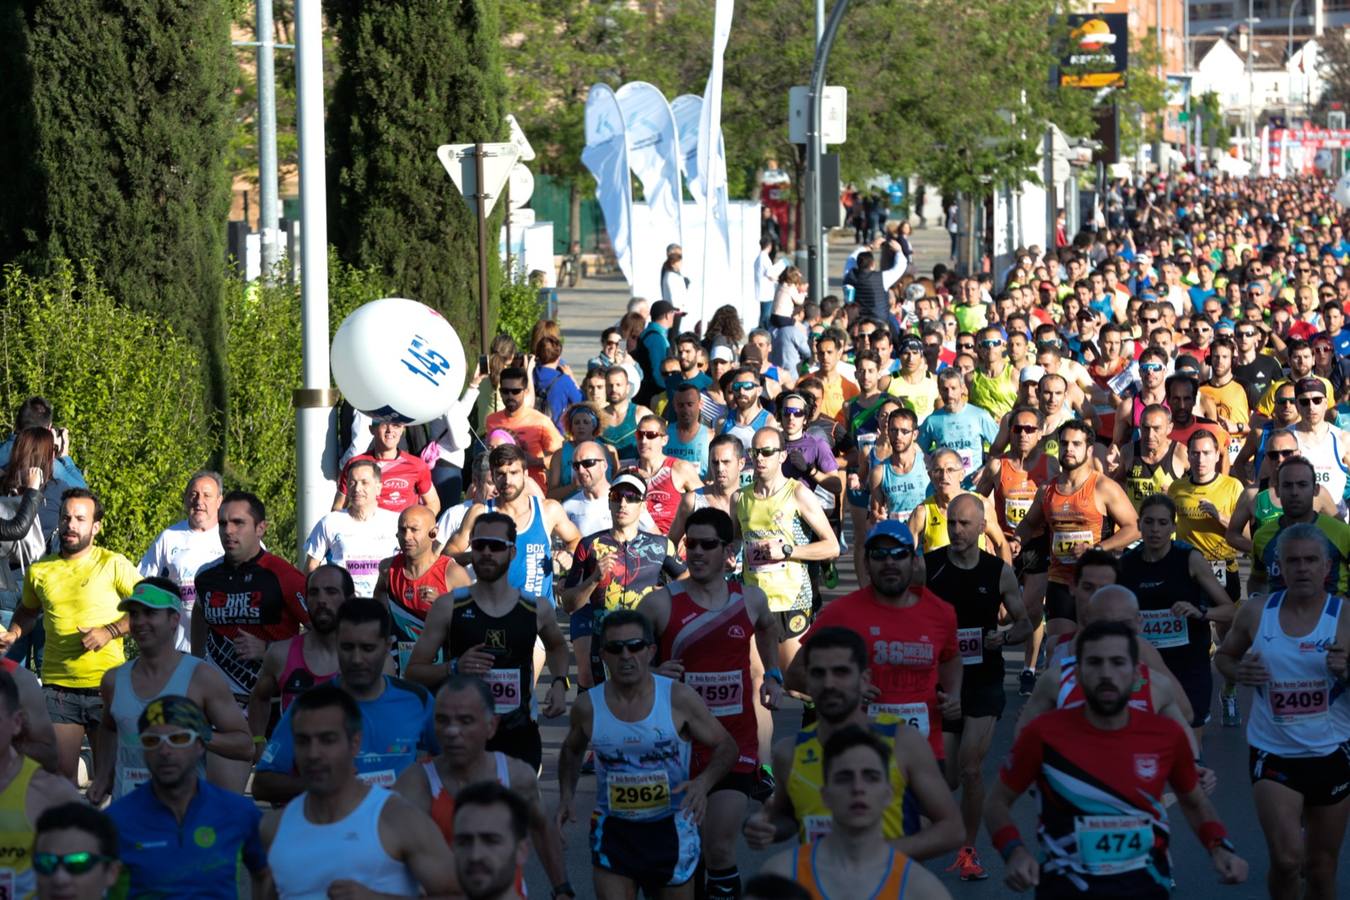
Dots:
(1342, 192)
(398, 360)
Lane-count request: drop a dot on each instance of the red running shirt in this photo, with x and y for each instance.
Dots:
(405, 479)
(904, 647)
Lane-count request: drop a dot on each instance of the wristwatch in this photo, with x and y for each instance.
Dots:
(567, 682)
(563, 889)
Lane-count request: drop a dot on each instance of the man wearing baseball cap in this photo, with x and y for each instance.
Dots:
(910, 634)
(914, 385)
(1323, 444)
(154, 610)
(652, 347)
(178, 834)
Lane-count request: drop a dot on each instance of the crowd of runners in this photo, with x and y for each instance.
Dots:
(1067, 466)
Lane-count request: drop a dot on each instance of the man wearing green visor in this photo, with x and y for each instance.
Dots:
(178, 834)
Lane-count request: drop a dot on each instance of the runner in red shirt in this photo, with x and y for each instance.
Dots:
(405, 478)
(1101, 770)
(412, 579)
(668, 479)
(915, 666)
(704, 626)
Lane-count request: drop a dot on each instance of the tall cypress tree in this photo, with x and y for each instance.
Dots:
(116, 124)
(414, 74)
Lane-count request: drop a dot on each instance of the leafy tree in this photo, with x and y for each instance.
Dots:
(1333, 65)
(116, 125)
(1143, 100)
(413, 74)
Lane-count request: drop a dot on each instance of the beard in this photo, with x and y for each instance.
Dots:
(1106, 706)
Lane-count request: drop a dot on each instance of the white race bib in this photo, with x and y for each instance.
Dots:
(1110, 845)
(132, 776)
(721, 691)
(379, 778)
(1303, 702)
(915, 714)
(505, 687)
(1015, 509)
(1064, 543)
(1163, 628)
(816, 827)
(638, 793)
(970, 644)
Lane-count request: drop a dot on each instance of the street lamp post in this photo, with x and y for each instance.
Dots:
(815, 273)
(1289, 55)
(1251, 81)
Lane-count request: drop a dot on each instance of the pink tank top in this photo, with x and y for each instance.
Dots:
(662, 498)
(296, 678)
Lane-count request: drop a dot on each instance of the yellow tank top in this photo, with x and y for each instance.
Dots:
(808, 776)
(1230, 404)
(995, 395)
(1146, 479)
(921, 398)
(1202, 531)
(934, 535)
(16, 836)
(776, 517)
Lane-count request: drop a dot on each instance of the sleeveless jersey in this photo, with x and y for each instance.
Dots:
(934, 534)
(662, 498)
(904, 492)
(776, 517)
(814, 820)
(1325, 455)
(531, 569)
(695, 451)
(296, 676)
(714, 646)
(1302, 711)
(1016, 489)
(17, 878)
(443, 803)
(891, 886)
(743, 433)
(126, 710)
(974, 593)
(996, 395)
(341, 850)
(510, 639)
(1182, 642)
(408, 606)
(1071, 696)
(921, 398)
(1073, 521)
(1230, 404)
(1143, 479)
(623, 437)
(1202, 531)
(1264, 509)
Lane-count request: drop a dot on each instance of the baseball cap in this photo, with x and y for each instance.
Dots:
(630, 478)
(890, 528)
(722, 352)
(1031, 373)
(1310, 385)
(910, 342)
(661, 307)
(147, 594)
(175, 709)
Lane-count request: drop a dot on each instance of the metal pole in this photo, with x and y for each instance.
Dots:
(1162, 123)
(506, 198)
(1251, 86)
(824, 241)
(480, 197)
(267, 140)
(1288, 58)
(811, 181)
(316, 457)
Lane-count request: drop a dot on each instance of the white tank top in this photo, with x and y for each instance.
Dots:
(435, 785)
(639, 766)
(1302, 711)
(1325, 455)
(126, 710)
(307, 858)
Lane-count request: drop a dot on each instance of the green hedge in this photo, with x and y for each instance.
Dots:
(132, 393)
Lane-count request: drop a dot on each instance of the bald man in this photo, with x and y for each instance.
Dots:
(412, 579)
(1155, 691)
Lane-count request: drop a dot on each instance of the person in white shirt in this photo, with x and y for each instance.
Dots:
(674, 286)
(184, 547)
(767, 270)
(358, 537)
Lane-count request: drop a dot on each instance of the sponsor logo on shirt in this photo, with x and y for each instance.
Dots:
(1146, 766)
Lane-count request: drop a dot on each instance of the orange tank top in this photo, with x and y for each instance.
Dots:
(892, 884)
(1074, 522)
(1016, 489)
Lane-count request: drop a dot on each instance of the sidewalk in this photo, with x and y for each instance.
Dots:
(598, 302)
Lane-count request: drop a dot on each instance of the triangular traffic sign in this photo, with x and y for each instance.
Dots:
(518, 138)
(459, 161)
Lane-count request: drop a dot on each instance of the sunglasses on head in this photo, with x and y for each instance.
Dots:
(73, 863)
(182, 738)
(488, 545)
(878, 554)
(632, 645)
(585, 463)
(764, 452)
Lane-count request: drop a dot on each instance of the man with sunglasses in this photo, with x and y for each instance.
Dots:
(615, 569)
(667, 479)
(154, 610)
(152, 820)
(777, 518)
(705, 626)
(533, 430)
(490, 630)
(26, 791)
(1301, 363)
(648, 806)
(1323, 444)
(993, 384)
(915, 665)
(745, 415)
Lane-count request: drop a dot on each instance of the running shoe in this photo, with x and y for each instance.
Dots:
(968, 866)
(1027, 682)
(1232, 718)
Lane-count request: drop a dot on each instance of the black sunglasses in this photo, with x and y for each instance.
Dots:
(585, 463)
(713, 544)
(632, 645)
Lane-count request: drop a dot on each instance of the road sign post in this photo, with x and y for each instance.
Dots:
(480, 171)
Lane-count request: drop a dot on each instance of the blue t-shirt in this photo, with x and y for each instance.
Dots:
(396, 728)
(1198, 297)
(967, 432)
(198, 858)
(1340, 342)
